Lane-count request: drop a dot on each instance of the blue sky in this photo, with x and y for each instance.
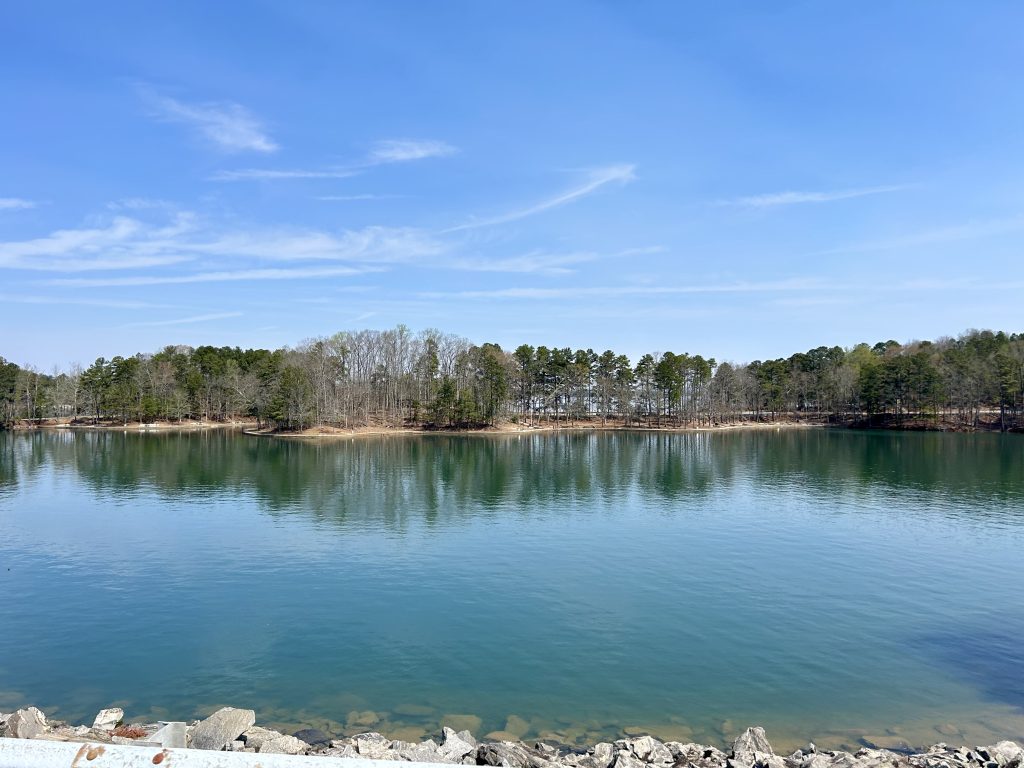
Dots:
(742, 180)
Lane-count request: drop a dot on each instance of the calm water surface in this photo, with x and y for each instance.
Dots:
(846, 587)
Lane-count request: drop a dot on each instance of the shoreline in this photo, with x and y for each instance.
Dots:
(320, 433)
(232, 729)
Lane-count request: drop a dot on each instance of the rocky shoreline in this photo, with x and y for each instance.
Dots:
(231, 729)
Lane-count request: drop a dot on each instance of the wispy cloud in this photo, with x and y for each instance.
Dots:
(596, 179)
(15, 204)
(62, 301)
(796, 284)
(189, 320)
(124, 243)
(774, 199)
(129, 243)
(228, 126)
(404, 150)
(542, 262)
(967, 231)
(351, 198)
(140, 204)
(382, 153)
(299, 273)
(270, 174)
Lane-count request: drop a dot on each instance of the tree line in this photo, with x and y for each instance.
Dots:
(434, 379)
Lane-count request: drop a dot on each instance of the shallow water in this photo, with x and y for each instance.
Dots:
(847, 587)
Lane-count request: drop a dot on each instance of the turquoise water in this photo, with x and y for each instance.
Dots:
(847, 587)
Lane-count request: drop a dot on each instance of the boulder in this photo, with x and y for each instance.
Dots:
(221, 728)
(504, 754)
(255, 736)
(425, 752)
(108, 719)
(26, 724)
(753, 748)
(752, 740)
(284, 745)
(374, 746)
(646, 748)
(604, 753)
(510, 755)
(624, 758)
(1007, 753)
(454, 747)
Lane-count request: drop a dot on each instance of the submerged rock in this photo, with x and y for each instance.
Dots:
(312, 736)
(517, 726)
(470, 723)
(221, 728)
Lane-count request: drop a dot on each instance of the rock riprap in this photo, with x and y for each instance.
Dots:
(222, 728)
(236, 730)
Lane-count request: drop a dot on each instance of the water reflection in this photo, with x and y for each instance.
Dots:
(439, 476)
(683, 583)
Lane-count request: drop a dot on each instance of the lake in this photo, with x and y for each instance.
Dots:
(846, 587)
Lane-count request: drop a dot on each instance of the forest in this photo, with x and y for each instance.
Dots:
(436, 380)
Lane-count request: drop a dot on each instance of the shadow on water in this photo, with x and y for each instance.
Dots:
(989, 657)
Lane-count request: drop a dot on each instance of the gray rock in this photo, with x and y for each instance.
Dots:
(256, 736)
(26, 724)
(504, 754)
(646, 748)
(454, 748)
(752, 748)
(816, 760)
(374, 746)
(284, 745)
(108, 719)
(752, 740)
(697, 755)
(604, 753)
(425, 752)
(222, 727)
(510, 755)
(626, 759)
(1007, 753)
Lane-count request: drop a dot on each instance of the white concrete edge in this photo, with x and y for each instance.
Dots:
(31, 753)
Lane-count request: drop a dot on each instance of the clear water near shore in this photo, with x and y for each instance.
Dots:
(847, 587)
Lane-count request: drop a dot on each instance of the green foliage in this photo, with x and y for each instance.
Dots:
(394, 377)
